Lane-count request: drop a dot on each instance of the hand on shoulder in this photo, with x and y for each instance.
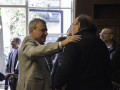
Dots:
(73, 38)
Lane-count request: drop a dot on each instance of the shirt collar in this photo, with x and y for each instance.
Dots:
(15, 51)
(109, 47)
(37, 42)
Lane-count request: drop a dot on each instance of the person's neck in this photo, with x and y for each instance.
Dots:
(109, 44)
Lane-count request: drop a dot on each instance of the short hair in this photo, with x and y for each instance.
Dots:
(17, 39)
(61, 38)
(111, 31)
(34, 22)
(86, 21)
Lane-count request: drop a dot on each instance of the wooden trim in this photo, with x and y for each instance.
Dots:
(107, 21)
(104, 3)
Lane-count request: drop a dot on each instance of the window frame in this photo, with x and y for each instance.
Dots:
(27, 12)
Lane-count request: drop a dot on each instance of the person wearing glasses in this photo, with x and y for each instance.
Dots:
(114, 50)
(85, 64)
(34, 71)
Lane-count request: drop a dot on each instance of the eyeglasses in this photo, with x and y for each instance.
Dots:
(72, 25)
(43, 30)
(103, 33)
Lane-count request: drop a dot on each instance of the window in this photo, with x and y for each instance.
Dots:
(16, 14)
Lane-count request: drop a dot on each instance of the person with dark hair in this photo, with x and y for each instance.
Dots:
(114, 50)
(34, 71)
(13, 58)
(85, 64)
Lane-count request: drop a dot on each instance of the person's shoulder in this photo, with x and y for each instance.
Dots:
(72, 45)
(10, 52)
(117, 46)
(28, 38)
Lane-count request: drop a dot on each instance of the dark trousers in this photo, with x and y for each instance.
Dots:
(13, 83)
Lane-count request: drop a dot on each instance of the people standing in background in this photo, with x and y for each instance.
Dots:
(114, 51)
(13, 58)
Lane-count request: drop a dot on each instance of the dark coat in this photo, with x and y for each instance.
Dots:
(114, 52)
(8, 66)
(2, 77)
(85, 64)
(58, 59)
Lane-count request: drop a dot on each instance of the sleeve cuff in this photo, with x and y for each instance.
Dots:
(60, 46)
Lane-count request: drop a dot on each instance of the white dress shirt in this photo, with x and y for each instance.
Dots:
(13, 60)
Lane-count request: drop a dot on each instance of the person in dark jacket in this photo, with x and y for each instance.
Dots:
(57, 61)
(114, 50)
(85, 65)
(13, 59)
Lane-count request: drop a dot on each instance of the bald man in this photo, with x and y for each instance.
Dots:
(85, 64)
(114, 50)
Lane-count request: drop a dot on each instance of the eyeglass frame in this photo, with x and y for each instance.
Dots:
(104, 33)
(71, 26)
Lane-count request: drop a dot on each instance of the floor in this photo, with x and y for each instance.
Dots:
(2, 85)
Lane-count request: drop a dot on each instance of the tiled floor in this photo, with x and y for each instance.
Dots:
(2, 85)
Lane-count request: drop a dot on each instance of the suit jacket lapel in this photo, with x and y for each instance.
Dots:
(47, 64)
(44, 58)
(16, 59)
(11, 54)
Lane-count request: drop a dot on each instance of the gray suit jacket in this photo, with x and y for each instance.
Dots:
(33, 71)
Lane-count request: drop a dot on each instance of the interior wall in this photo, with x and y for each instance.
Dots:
(106, 13)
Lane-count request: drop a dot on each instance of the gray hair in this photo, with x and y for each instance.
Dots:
(34, 22)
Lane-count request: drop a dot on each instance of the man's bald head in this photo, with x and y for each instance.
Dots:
(106, 35)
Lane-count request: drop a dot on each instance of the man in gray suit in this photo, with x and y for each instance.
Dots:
(34, 73)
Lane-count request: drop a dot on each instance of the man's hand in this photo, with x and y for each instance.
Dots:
(7, 74)
(74, 38)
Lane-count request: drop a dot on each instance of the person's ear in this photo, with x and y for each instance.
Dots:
(18, 43)
(31, 30)
(78, 26)
(111, 36)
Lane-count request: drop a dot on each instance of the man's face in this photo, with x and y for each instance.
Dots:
(105, 35)
(70, 32)
(14, 44)
(76, 26)
(40, 33)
